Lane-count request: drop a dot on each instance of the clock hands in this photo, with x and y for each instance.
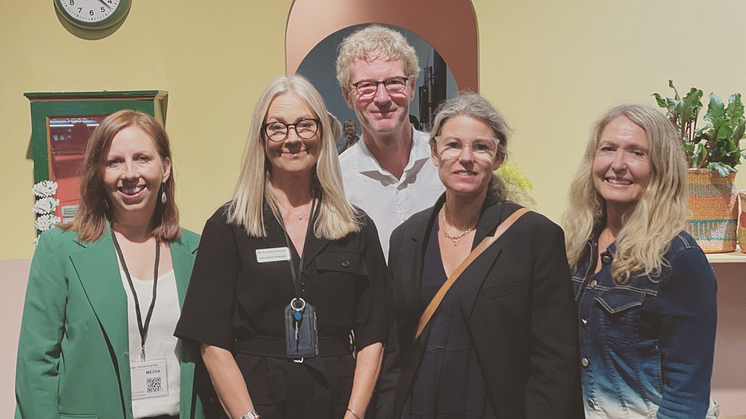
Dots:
(104, 3)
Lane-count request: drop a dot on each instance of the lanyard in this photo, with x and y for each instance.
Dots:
(309, 230)
(143, 328)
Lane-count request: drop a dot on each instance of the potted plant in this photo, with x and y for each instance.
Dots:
(712, 154)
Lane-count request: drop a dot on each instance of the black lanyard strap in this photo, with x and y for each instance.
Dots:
(143, 328)
(309, 230)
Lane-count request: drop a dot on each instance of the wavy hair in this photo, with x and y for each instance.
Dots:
(656, 219)
(375, 41)
(94, 208)
(337, 217)
(475, 106)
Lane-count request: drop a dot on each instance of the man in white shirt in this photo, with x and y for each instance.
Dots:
(389, 173)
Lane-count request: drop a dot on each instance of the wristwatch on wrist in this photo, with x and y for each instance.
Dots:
(251, 415)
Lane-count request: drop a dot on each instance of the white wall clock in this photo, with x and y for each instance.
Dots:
(93, 14)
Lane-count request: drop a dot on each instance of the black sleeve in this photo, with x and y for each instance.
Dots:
(207, 314)
(553, 388)
(372, 309)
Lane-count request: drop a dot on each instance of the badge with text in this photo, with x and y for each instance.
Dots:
(275, 254)
(149, 379)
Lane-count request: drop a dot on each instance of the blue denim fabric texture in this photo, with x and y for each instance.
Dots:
(646, 347)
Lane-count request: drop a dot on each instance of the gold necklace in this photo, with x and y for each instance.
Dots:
(454, 239)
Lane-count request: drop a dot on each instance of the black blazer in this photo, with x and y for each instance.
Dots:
(517, 301)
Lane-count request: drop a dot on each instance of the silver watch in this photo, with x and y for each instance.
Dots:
(251, 415)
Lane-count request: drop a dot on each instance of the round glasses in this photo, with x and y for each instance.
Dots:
(451, 147)
(368, 88)
(278, 131)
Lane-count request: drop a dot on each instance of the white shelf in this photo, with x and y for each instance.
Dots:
(733, 257)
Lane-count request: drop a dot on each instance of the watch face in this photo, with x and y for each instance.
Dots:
(89, 11)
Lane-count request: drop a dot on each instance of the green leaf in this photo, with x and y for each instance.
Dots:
(734, 111)
(661, 102)
(715, 109)
(739, 132)
(676, 92)
(723, 169)
(691, 105)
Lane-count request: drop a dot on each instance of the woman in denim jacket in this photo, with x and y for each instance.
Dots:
(645, 293)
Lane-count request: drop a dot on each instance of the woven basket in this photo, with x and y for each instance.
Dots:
(742, 222)
(713, 210)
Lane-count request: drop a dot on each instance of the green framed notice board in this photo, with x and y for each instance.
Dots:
(61, 123)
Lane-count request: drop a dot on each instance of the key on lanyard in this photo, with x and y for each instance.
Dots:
(298, 305)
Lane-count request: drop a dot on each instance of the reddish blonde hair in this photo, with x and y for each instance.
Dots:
(94, 207)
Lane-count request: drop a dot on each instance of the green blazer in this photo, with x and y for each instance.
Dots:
(73, 359)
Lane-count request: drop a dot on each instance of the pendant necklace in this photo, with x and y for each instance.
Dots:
(454, 239)
(299, 217)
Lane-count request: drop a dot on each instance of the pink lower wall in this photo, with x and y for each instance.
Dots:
(728, 381)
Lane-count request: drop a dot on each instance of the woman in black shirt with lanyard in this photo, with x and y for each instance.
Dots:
(286, 271)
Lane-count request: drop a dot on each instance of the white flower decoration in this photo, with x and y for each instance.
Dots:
(35, 241)
(45, 188)
(46, 221)
(45, 205)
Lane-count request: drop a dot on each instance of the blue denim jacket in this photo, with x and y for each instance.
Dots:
(646, 347)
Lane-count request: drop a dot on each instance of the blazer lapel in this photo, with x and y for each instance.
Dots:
(493, 214)
(98, 271)
(182, 259)
(416, 245)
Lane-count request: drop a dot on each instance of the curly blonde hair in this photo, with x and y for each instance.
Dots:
(375, 41)
(656, 219)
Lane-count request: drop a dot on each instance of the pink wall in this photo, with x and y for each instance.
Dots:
(14, 275)
(311, 21)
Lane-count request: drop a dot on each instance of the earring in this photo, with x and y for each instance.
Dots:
(164, 198)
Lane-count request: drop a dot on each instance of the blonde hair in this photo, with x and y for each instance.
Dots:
(94, 208)
(656, 219)
(375, 41)
(475, 106)
(337, 217)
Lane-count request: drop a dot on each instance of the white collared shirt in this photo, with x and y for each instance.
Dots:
(387, 200)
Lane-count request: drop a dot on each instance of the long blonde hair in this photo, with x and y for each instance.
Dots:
(656, 219)
(337, 217)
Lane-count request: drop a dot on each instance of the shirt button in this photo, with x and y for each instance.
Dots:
(591, 404)
(606, 259)
(303, 287)
(585, 322)
(584, 361)
(593, 283)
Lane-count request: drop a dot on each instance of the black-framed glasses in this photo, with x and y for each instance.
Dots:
(278, 131)
(368, 88)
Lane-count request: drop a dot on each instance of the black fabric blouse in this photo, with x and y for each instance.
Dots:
(233, 299)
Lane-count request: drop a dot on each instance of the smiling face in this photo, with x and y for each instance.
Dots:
(621, 166)
(294, 155)
(382, 113)
(468, 172)
(132, 175)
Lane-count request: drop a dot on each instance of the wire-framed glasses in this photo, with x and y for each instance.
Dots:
(368, 88)
(278, 131)
(451, 147)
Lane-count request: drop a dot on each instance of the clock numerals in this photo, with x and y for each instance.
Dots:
(93, 13)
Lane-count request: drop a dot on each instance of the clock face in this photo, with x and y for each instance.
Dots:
(90, 12)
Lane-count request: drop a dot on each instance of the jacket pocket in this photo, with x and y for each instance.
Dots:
(619, 317)
(502, 290)
(348, 262)
(77, 416)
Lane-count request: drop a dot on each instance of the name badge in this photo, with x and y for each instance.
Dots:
(275, 254)
(149, 379)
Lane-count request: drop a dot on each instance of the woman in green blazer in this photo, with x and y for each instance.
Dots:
(105, 290)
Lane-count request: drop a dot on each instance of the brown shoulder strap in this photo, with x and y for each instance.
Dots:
(481, 247)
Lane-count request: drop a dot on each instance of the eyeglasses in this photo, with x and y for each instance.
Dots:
(451, 147)
(278, 132)
(368, 88)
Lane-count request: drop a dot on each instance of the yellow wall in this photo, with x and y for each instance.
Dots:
(552, 67)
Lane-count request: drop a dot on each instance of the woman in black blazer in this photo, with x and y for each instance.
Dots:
(503, 342)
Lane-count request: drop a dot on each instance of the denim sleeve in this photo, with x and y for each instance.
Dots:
(688, 308)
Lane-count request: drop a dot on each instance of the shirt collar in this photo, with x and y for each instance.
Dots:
(420, 151)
